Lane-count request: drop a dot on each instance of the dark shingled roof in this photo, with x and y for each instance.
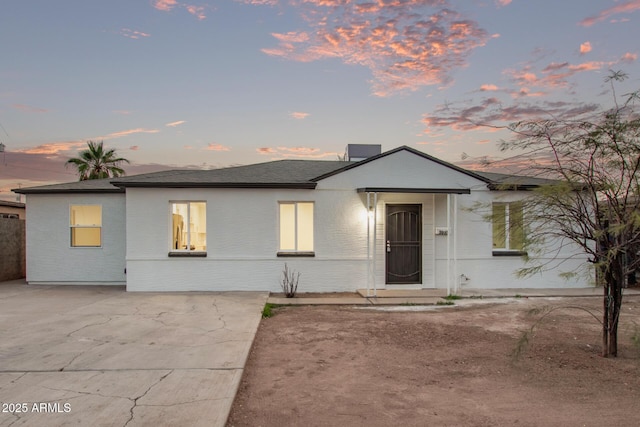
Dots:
(276, 174)
(302, 174)
(10, 204)
(501, 181)
(88, 186)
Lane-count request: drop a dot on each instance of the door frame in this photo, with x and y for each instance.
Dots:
(420, 230)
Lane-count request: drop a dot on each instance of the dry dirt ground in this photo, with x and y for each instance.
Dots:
(452, 366)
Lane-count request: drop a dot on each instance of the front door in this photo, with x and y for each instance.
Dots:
(403, 244)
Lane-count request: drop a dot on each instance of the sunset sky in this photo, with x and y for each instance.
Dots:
(206, 84)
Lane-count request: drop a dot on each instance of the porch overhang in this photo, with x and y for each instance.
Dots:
(414, 190)
(371, 205)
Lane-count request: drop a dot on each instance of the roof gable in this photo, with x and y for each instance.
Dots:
(403, 169)
(410, 150)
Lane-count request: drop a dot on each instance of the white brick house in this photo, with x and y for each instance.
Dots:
(400, 219)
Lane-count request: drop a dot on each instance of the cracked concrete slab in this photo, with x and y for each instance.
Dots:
(100, 356)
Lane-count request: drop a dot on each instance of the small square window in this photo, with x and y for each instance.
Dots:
(85, 222)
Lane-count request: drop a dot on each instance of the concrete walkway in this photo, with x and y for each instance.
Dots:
(93, 355)
(80, 355)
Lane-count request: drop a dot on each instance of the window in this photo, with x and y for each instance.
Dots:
(296, 227)
(188, 227)
(85, 222)
(508, 226)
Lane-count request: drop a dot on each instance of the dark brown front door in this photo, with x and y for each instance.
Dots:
(403, 244)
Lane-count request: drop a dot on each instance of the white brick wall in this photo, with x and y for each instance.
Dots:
(51, 259)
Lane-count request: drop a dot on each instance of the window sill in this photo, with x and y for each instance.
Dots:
(187, 254)
(297, 254)
(508, 253)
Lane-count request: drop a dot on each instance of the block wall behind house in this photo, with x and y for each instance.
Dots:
(50, 257)
(12, 248)
(13, 210)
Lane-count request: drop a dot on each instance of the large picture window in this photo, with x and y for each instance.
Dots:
(85, 222)
(188, 226)
(508, 226)
(296, 227)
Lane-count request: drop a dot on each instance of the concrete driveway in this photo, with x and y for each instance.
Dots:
(80, 355)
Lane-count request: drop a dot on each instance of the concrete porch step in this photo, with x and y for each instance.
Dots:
(403, 293)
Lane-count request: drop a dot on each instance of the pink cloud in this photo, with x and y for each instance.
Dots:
(296, 152)
(53, 148)
(133, 34)
(259, 2)
(291, 37)
(626, 7)
(174, 124)
(519, 93)
(585, 48)
(629, 57)
(491, 112)
(29, 109)
(127, 133)
(488, 88)
(134, 148)
(168, 5)
(554, 75)
(518, 164)
(299, 115)
(266, 150)
(524, 91)
(502, 3)
(304, 150)
(197, 11)
(406, 44)
(216, 147)
(164, 5)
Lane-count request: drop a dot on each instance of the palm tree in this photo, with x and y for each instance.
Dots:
(96, 163)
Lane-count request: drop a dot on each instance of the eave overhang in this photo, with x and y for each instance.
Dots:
(272, 185)
(512, 187)
(414, 190)
(35, 190)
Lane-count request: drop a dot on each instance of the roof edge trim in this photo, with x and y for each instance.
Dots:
(35, 190)
(414, 190)
(274, 185)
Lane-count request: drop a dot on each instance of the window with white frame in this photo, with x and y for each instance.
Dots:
(85, 222)
(188, 226)
(296, 227)
(508, 226)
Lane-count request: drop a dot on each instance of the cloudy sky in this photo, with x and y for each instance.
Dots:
(208, 83)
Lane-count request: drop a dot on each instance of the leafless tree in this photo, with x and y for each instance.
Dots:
(593, 201)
